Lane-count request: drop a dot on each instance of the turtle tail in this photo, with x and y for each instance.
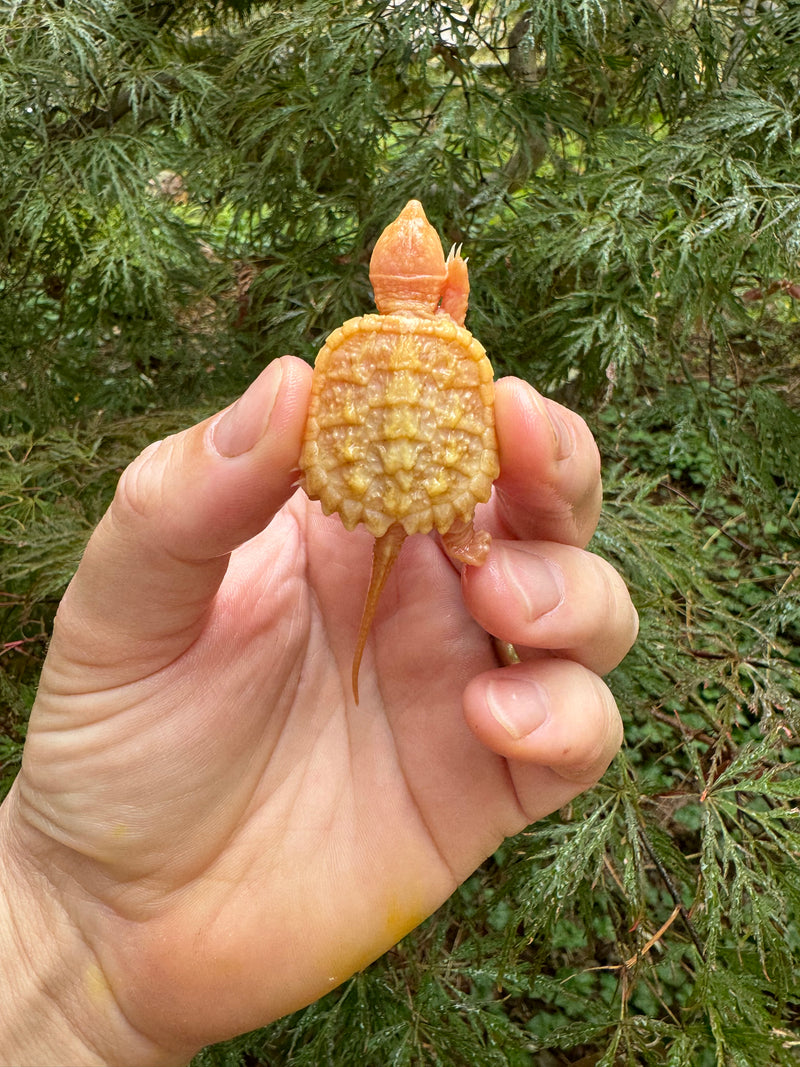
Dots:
(386, 550)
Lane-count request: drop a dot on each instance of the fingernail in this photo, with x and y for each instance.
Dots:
(537, 583)
(242, 426)
(518, 704)
(563, 437)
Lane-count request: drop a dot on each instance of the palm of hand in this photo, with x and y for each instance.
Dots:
(244, 761)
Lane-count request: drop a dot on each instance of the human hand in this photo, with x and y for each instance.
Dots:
(213, 829)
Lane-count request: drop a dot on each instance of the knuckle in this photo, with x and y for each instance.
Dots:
(138, 492)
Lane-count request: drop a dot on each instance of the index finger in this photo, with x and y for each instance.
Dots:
(549, 488)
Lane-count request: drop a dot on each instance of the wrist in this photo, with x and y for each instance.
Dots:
(56, 1006)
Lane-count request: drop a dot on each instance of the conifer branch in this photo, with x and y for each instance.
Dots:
(121, 105)
(710, 518)
(674, 893)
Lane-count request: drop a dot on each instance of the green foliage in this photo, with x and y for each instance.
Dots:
(188, 189)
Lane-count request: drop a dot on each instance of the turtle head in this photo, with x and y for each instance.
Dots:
(407, 269)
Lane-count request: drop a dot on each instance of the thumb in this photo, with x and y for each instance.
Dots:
(154, 563)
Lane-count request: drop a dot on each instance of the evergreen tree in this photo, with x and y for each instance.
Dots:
(189, 188)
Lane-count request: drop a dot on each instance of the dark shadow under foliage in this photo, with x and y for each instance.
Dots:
(188, 190)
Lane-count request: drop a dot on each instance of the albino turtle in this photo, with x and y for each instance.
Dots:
(400, 433)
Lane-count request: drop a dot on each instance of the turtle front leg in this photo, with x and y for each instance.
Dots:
(464, 543)
(455, 291)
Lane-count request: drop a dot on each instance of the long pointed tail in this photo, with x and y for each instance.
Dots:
(385, 552)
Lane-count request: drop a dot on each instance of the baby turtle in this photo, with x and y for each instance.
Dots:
(400, 434)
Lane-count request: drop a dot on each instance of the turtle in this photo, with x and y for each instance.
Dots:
(400, 435)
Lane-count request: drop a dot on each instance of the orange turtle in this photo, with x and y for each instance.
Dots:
(400, 434)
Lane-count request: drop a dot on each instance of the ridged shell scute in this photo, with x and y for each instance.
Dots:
(401, 424)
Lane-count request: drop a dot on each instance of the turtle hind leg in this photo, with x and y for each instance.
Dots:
(385, 552)
(464, 543)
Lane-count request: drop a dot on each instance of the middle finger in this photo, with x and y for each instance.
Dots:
(546, 595)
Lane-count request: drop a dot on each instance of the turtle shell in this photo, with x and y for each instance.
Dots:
(401, 424)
